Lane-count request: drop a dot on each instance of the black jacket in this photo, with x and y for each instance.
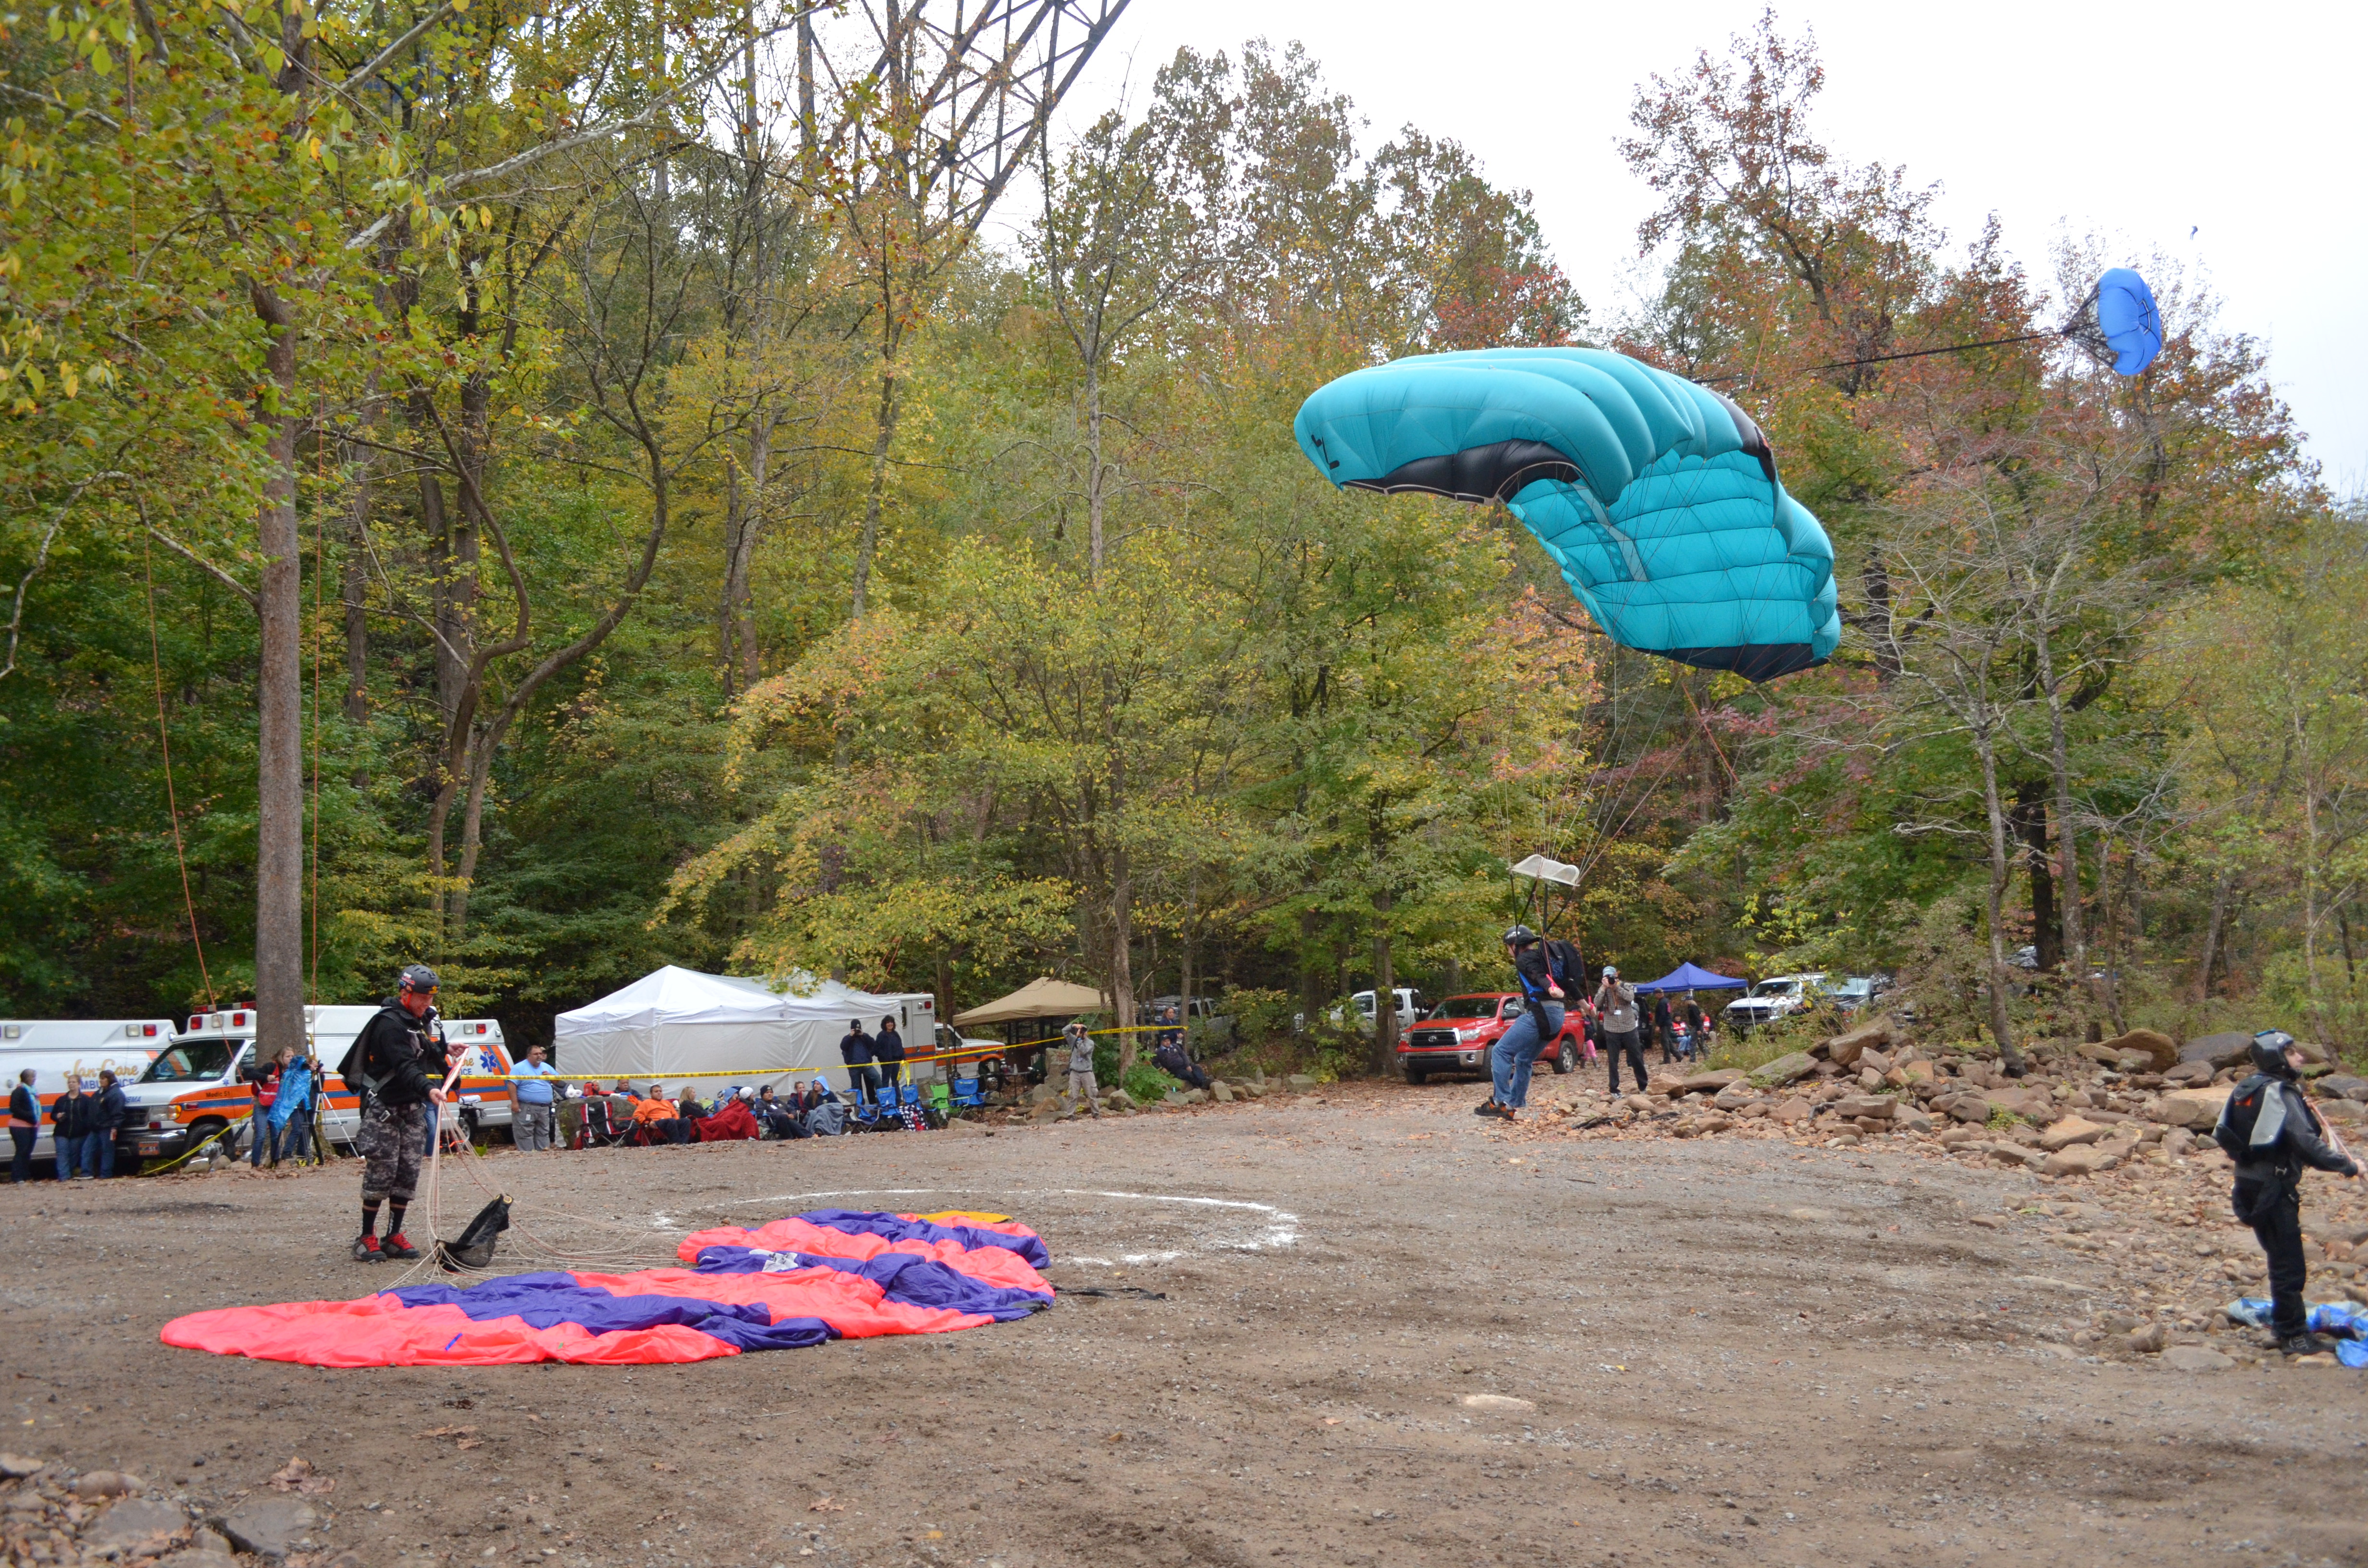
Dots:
(1531, 970)
(2269, 1129)
(70, 1114)
(112, 1111)
(889, 1046)
(855, 1049)
(24, 1105)
(403, 1056)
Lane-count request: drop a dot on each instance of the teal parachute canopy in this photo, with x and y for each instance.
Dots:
(1658, 498)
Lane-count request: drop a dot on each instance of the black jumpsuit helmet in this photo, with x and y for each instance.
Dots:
(1520, 937)
(2268, 1051)
(415, 977)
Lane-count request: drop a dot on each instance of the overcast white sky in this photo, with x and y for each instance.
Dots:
(2242, 124)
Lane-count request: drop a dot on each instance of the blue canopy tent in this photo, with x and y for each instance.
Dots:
(1686, 977)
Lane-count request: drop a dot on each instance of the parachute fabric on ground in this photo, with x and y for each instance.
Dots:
(1658, 498)
(2118, 323)
(827, 1274)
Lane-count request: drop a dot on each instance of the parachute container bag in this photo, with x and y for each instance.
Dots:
(1658, 498)
(473, 1248)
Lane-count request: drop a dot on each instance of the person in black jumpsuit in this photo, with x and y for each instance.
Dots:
(2269, 1129)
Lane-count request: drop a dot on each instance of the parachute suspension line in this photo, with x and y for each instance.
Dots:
(165, 748)
(1716, 750)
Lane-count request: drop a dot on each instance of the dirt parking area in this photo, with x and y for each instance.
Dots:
(1358, 1325)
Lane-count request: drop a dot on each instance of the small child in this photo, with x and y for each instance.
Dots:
(1081, 1066)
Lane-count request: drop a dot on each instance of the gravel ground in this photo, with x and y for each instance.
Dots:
(1358, 1325)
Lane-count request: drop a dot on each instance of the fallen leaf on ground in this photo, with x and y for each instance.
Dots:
(824, 1505)
(661, 1464)
(299, 1476)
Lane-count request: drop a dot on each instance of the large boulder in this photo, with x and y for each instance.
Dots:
(1909, 1118)
(2220, 1050)
(1783, 1069)
(2162, 1053)
(1964, 1108)
(2193, 1108)
(2081, 1159)
(2343, 1086)
(1844, 1049)
(1878, 1107)
(1709, 1082)
(2070, 1130)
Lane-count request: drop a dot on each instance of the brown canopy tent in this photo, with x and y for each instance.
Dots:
(1041, 998)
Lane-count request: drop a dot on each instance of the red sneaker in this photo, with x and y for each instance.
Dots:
(366, 1249)
(397, 1247)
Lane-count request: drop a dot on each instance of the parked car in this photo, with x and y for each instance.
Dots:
(1780, 997)
(1458, 1034)
(1410, 1005)
(1855, 993)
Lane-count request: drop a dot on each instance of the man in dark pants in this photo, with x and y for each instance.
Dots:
(2269, 1129)
(1615, 1009)
(24, 1125)
(1665, 1026)
(888, 1049)
(108, 1119)
(855, 1049)
(397, 1063)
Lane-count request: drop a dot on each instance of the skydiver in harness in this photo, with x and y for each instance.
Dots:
(1517, 1050)
(2269, 1129)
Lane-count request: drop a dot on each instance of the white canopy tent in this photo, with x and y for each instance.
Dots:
(677, 1021)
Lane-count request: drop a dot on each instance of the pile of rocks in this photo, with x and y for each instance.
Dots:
(2079, 1111)
(52, 1513)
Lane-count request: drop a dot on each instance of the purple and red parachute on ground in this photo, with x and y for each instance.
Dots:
(827, 1274)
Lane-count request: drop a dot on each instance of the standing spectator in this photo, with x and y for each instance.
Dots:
(266, 1089)
(1615, 1006)
(1697, 1028)
(24, 1125)
(291, 1112)
(108, 1114)
(530, 1102)
(1665, 1026)
(1081, 1067)
(889, 1050)
(855, 1049)
(69, 1119)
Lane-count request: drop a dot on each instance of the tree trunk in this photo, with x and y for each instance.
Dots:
(1122, 908)
(2067, 838)
(354, 586)
(2212, 936)
(875, 499)
(946, 994)
(1311, 993)
(1385, 985)
(1094, 458)
(280, 775)
(2030, 827)
(2001, 875)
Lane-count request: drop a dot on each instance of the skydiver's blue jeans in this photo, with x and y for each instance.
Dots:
(1516, 1050)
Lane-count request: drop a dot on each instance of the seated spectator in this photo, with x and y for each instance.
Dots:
(776, 1115)
(658, 1120)
(730, 1119)
(1172, 1061)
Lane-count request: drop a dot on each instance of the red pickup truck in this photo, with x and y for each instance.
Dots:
(1460, 1030)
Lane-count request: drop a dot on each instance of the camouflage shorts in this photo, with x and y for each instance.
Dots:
(388, 1141)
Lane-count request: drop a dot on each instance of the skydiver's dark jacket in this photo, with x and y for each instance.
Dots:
(396, 1058)
(2269, 1129)
(1531, 970)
